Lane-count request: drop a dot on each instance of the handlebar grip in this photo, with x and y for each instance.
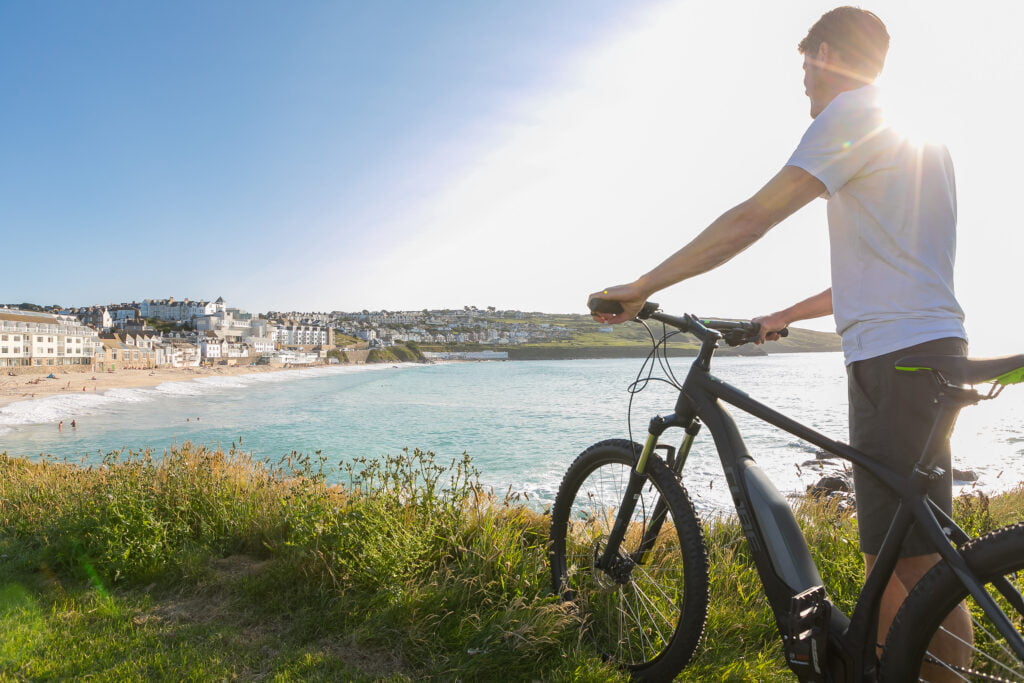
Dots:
(784, 332)
(738, 334)
(597, 305)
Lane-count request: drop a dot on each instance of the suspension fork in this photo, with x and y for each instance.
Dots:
(661, 507)
(610, 559)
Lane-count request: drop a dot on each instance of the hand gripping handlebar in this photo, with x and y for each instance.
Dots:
(734, 333)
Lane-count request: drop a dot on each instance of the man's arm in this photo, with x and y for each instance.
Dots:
(812, 307)
(731, 233)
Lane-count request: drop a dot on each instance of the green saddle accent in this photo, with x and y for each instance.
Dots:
(1012, 377)
(961, 370)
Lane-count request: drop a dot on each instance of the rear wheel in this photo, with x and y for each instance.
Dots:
(648, 615)
(984, 655)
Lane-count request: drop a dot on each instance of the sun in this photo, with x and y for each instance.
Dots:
(916, 117)
(925, 79)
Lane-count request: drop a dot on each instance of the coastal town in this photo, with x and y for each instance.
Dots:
(192, 333)
(173, 333)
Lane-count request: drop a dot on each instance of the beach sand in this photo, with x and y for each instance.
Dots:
(28, 386)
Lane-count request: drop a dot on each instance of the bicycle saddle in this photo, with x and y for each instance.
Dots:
(961, 370)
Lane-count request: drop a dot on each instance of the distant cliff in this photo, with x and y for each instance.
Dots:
(623, 342)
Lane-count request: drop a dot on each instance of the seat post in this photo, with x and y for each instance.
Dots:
(951, 399)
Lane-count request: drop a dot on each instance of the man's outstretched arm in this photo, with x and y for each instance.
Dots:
(731, 233)
(812, 307)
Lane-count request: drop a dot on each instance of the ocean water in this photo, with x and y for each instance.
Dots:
(521, 422)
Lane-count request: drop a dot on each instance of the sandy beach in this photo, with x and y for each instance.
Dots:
(28, 386)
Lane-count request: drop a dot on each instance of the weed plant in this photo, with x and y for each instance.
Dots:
(201, 564)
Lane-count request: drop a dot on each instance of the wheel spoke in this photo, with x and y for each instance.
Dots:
(996, 642)
(661, 623)
(996, 667)
(632, 609)
(950, 634)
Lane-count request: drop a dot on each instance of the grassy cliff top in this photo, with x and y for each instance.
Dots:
(205, 565)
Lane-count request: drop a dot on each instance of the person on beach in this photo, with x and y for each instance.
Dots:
(74, 424)
(892, 233)
(60, 426)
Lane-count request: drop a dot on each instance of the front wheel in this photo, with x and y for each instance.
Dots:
(925, 644)
(648, 615)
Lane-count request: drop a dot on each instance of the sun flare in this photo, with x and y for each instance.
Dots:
(916, 118)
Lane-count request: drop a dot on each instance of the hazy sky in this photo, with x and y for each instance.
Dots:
(405, 155)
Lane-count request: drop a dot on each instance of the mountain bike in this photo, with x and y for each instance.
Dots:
(627, 549)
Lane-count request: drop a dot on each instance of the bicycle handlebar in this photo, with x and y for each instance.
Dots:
(734, 333)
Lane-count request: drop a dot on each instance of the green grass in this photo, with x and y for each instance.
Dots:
(341, 339)
(399, 353)
(200, 565)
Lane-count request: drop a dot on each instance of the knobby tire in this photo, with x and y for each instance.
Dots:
(651, 621)
(994, 555)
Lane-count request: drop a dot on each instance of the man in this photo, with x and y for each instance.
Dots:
(892, 225)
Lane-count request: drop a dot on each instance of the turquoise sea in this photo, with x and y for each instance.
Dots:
(521, 422)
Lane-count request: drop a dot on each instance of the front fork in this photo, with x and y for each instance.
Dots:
(610, 561)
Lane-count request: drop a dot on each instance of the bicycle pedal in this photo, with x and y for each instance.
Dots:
(806, 634)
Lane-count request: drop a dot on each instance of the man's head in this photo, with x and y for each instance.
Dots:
(844, 49)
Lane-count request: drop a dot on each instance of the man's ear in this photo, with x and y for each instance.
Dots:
(825, 52)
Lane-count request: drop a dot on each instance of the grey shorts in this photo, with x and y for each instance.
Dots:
(891, 415)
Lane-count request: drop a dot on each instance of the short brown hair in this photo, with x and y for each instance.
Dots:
(857, 34)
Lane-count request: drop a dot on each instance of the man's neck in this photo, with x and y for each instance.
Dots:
(841, 86)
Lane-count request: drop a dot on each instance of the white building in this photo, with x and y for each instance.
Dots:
(218, 347)
(124, 312)
(224, 321)
(212, 347)
(178, 354)
(304, 335)
(394, 317)
(260, 346)
(179, 311)
(97, 316)
(44, 339)
(289, 357)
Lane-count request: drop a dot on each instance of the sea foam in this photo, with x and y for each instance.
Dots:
(53, 409)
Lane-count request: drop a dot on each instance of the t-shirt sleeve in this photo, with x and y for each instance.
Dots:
(839, 143)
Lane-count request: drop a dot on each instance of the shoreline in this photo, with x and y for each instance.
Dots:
(34, 386)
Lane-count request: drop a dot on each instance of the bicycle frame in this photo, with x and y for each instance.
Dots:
(777, 545)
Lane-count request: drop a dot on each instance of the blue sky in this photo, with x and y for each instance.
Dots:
(197, 148)
(405, 155)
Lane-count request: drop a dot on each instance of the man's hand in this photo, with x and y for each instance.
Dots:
(812, 307)
(631, 298)
(770, 326)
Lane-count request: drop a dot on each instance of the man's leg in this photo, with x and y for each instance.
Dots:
(891, 416)
(952, 644)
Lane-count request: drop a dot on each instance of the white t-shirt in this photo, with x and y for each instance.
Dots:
(892, 227)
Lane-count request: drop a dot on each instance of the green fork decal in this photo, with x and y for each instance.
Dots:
(641, 465)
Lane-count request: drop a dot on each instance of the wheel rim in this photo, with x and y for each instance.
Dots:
(990, 657)
(632, 618)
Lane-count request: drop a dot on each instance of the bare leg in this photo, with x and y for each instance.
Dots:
(950, 645)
